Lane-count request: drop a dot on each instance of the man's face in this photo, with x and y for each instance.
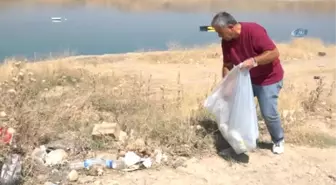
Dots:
(225, 33)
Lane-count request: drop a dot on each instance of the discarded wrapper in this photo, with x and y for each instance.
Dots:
(6, 135)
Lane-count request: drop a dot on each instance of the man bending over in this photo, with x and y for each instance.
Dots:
(249, 43)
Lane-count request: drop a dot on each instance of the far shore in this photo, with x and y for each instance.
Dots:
(308, 6)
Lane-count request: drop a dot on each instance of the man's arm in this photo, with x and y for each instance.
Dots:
(264, 45)
(227, 66)
(267, 57)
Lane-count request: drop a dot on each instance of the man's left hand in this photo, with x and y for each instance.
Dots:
(249, 63)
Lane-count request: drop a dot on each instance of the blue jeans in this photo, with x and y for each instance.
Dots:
(268, 102)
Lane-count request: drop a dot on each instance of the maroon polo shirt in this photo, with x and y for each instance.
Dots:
(253, 40)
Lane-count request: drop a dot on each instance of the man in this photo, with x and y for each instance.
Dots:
(248, 43)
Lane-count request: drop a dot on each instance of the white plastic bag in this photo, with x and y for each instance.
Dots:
(233, 106)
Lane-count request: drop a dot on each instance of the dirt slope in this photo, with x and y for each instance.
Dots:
(299, 165)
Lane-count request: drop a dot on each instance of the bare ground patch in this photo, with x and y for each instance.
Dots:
(159, 103)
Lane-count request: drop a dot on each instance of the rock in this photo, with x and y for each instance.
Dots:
(39, 154)
(164, 158)
(113, 182)
(321, 53)
(139, 144)
(158, 156)
(100, 171)
(122, 136)
(42, 177)
(3, 114)
(11, 91)
(55, 157)
(108, 129)
(49, 183)
(73, 176)
(98, 183)
(179, 162)
(86, 180)
(198, 127)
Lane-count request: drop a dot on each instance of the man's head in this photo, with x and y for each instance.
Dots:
(225, 25)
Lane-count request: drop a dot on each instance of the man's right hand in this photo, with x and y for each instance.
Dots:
(226, 68)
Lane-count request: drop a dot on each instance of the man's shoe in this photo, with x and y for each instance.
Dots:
(279, 147)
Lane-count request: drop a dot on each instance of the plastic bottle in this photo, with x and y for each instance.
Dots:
(114, 164)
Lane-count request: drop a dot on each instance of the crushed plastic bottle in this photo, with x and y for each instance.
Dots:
(113, 164)
(11, 170)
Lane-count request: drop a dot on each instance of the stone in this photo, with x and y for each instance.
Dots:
(158, 156)
(100, 171)
(113, 182)
(49, 183)
(106, 129)
(55, 157)
(42, 177)
(122, 136)
(86, 180)
(73, 176)
(3, 114)
(98, 183)
(39, 154)
(139, 143)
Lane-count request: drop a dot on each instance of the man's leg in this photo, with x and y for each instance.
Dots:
(268, 102)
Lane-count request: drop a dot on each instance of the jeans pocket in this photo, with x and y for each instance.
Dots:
(280, 85)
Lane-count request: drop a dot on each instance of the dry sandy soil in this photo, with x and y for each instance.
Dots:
(300, 165)
(310, 152)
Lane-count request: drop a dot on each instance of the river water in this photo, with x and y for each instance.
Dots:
(28, 31)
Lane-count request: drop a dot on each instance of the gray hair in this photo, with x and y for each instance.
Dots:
(223, 19)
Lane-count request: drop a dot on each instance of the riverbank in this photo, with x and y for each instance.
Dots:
(156, 100)
(313, 6)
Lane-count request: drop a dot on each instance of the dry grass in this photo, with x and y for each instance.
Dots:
(63, 98)
(195, 5)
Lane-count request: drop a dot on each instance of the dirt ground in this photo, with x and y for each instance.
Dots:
(299, 165)
(81, 93)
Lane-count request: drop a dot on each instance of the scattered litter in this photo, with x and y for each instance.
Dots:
(130, 162)
(147, 162)
(39, 154)
(300, 32)
(11, 170)
(6, 135)
(131, 158)
(55, 157)
(88, 163)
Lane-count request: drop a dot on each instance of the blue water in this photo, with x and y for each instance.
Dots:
(28, 31)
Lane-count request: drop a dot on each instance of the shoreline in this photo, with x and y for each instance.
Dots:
(298, 45)
(188, 6)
